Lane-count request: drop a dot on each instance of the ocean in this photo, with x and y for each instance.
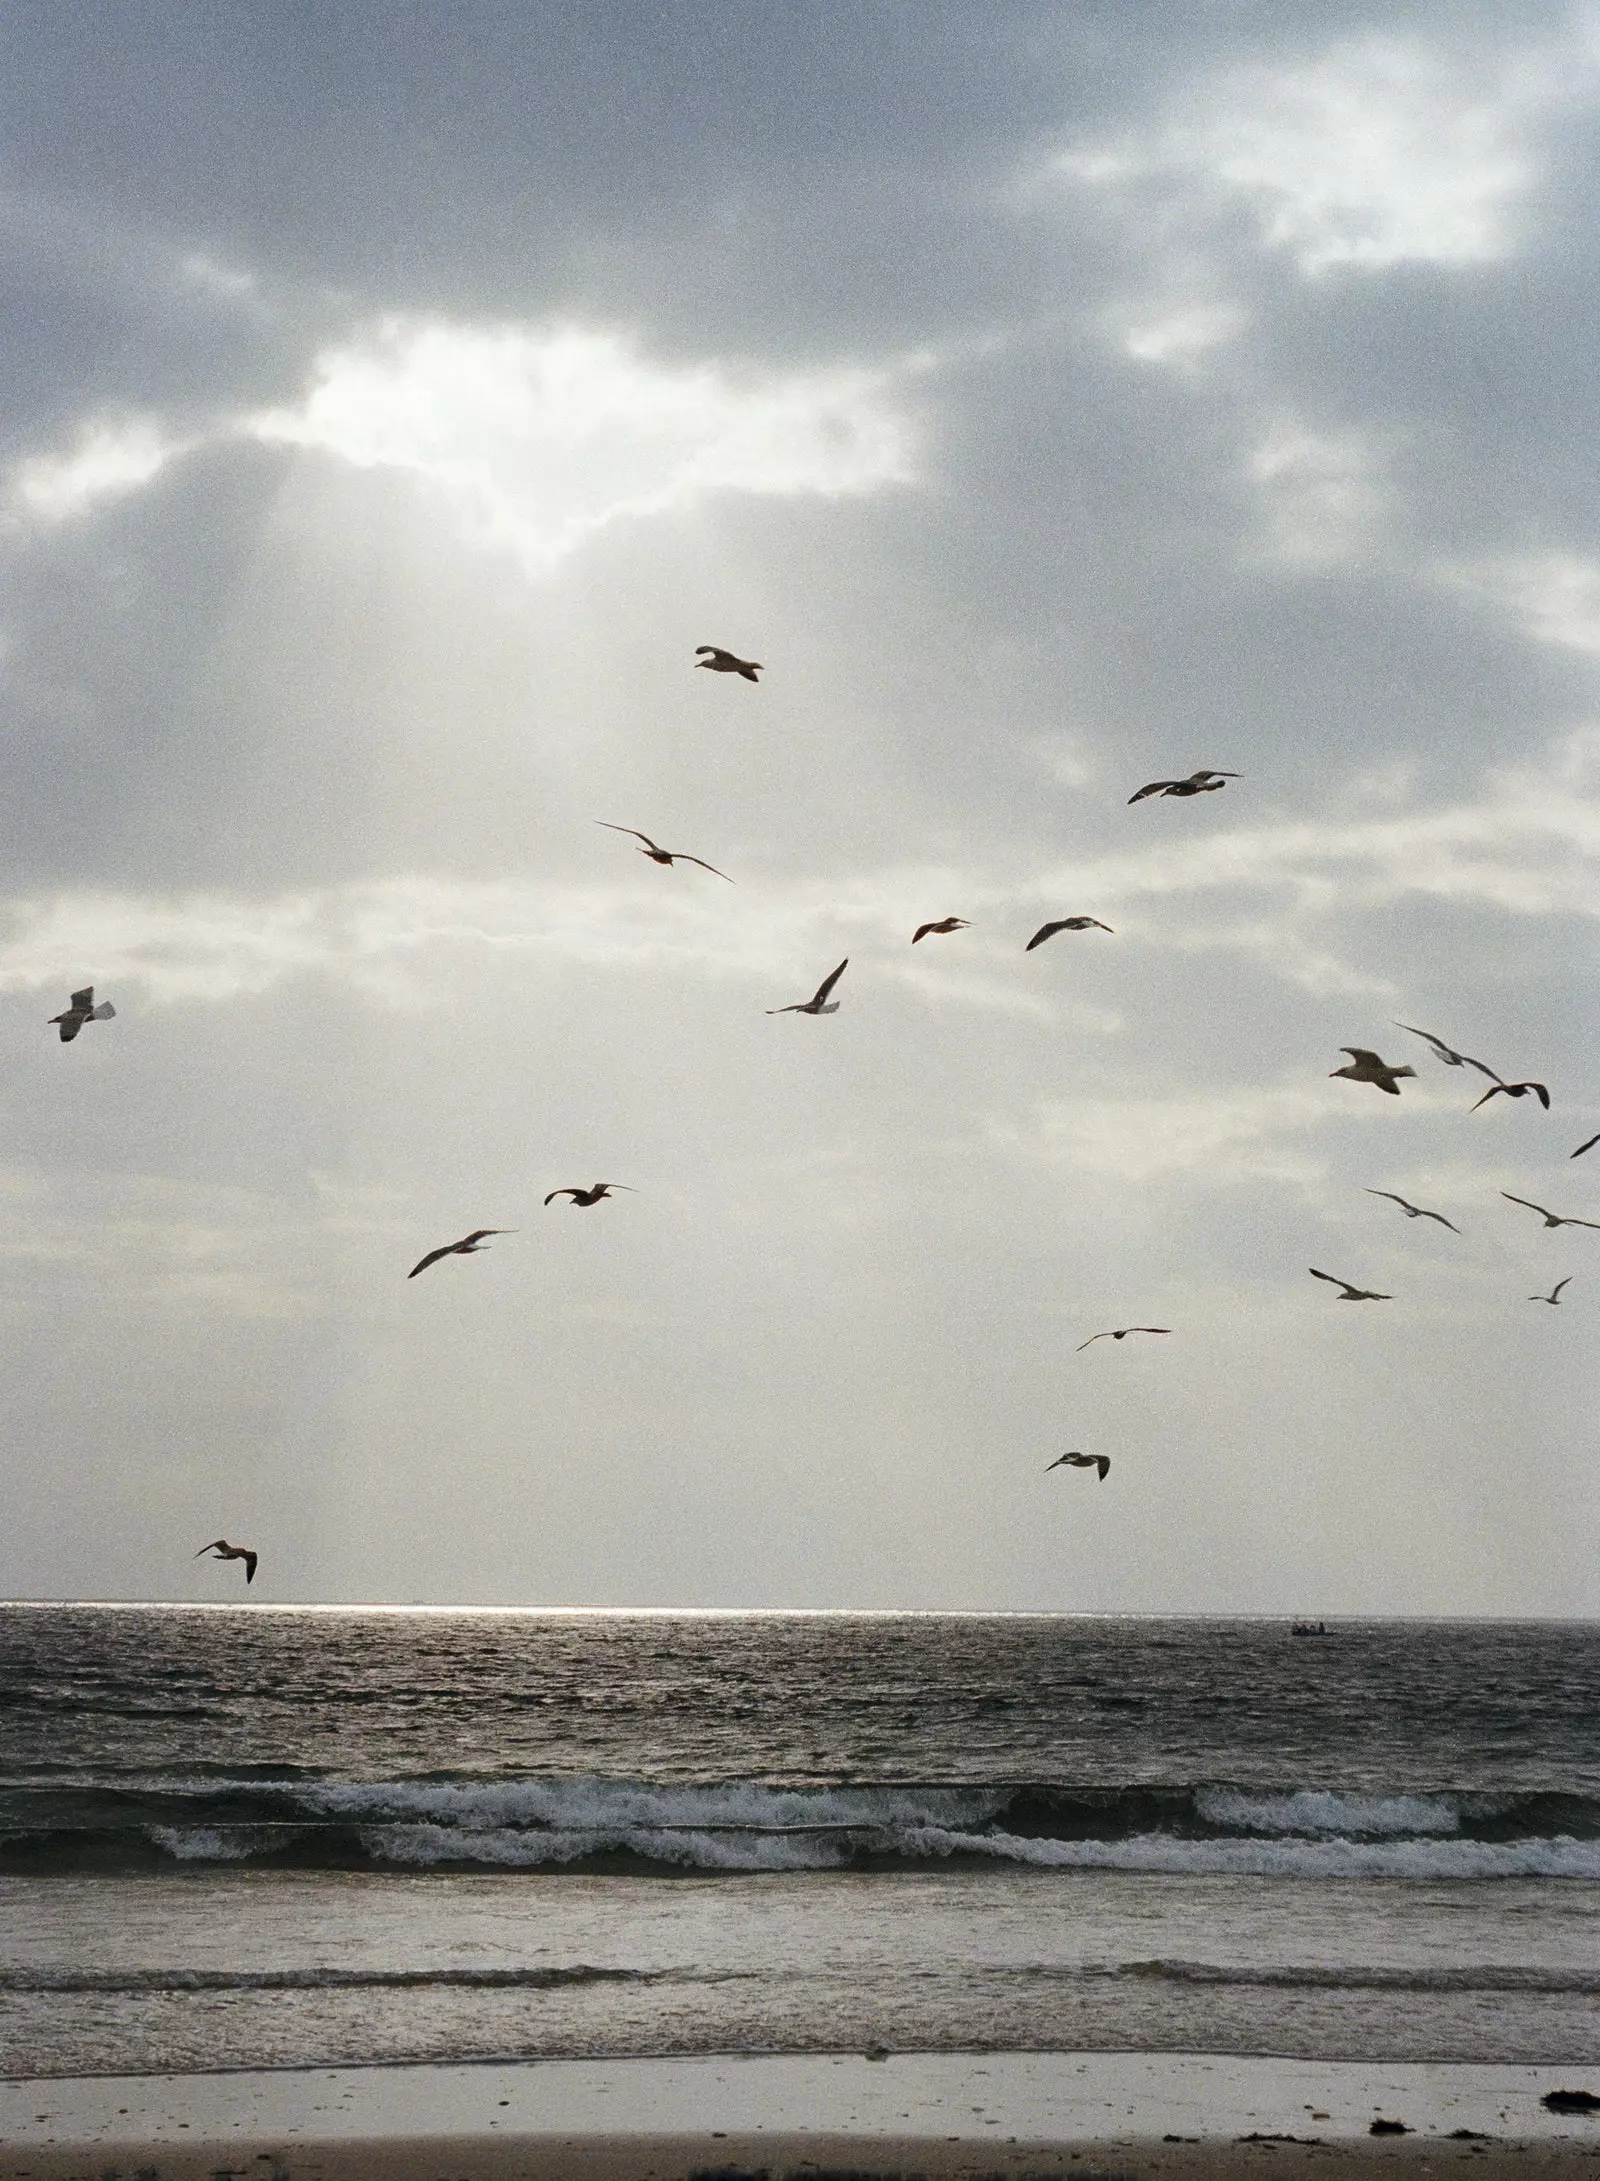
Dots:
(260, 1836)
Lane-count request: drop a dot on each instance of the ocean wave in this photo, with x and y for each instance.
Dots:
(136, 1981)
(747, 1826)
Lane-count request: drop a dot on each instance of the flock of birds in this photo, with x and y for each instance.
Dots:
(1365, 1066)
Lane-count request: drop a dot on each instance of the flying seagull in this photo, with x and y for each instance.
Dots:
(1351, 1294)
(1582, 1148)
(225, 1551)
(726, 662)
(819, 1003)
(464, 1248)
(1064, 923)
(1414, 1211)
(1554, 1295)
(1551, 1219)
(1102, 1462)
(81, 1011)
(945, 923)
(1126, 1330)
(1448, 1053)
(592, 1195)
(1203, 782)
(1366, 1067)
(1515, 1090)
(662, 855)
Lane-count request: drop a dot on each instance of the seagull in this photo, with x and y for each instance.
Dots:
(592, 1195)
(1554, 1295)
(1366, 1067)
(1414, 1211)
(1064, 923)
(662, 855)
(1515, 1090)
(1102, 1462)
(1448, 1053)
(81, 1011)
(819, 1003)
(464, 1248)
(1351, 1294)
(1582, 1148)
(1551, 1219)
(1126, 1330)
(726, 662)
(225, 1551)
(1203, 782)
(945, 923)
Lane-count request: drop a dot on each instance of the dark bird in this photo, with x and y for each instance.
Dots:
(592, 1195)
(1203, 782)
(1366, 1067)
(1064, 923)
(1551, 1219)
(945, 923)
(1351, 1294)
(1126, 1330)
(464, 1248)
(225, 1551)
(1102, 1462)
(1515, 1090)
(726, 662)
(1414, 1211)
(1554, 1295)
(662, 855)
(819, 1003)
(1448, 1053)
(81, 1011)
(1582, 1148)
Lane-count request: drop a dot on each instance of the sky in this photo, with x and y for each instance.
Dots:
(1053, 399)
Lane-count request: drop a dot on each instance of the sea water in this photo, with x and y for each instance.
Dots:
(263, 1836)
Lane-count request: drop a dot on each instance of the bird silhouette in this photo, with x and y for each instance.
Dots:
(726, 662)
(225, 1551)
(464, 1248)
(945, 923)
(1551, 1219)
(1366, 1067)
(1414, 1211)
(1351, 1294)
(81, 1011)
(1515, 1090)
(662, 855)
(1583, 1147)
(592, 1195)
(1203, 782)
(819, 1003)
(1102, 1462)
(1064, 923)
(1554, 1295)
(1122, 1335)
(1448, 1053)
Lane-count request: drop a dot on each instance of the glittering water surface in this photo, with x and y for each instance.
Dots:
(244, 1836)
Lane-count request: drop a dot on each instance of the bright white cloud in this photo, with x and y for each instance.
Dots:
(1556, 596)
(536, 438)
(111, 459)
(1322, 493)
(1219, 1136)
(1182, 336)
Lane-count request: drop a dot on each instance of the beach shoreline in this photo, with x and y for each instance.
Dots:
(1190, 2117)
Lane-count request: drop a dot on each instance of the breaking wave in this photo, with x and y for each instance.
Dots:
(744, 1826)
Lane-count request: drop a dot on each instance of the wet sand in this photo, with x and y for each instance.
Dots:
(1091, 2116)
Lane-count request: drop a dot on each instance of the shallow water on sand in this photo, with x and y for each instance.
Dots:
(240, 1838)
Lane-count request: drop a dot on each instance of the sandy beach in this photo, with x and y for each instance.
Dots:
(1189, 2117)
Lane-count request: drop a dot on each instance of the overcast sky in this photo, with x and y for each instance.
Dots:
(1054, 398)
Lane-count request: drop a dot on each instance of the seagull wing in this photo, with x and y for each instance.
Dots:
(550, 1199)
(1538, 1089)
(1331, 1280)
(102, 1013)
(1045, 931)
(632, 831)
(83, 1001)
(1595, 1223)
(1450, 1058)
(432, 1258)
(795, 1007)
(1393, 1199)
(1089, 1343)
(711, 651)
(829, 982)
(481, 1234)
(1493, 1091)
(1156, 787)
(249, 1559)
(922, 932)
(1582, 1148)
(1102, 1462)
(1149, 1328)
(1527, 1203)
(70, 1026)
(218, 1544)
(1560, 1284)
(1365, 1057)
(1439, 1216)
(711, 867)
(1098, 926)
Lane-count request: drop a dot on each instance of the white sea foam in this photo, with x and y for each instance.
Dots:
(1318, 1810)
(611, 1806)
(1163, 1853)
